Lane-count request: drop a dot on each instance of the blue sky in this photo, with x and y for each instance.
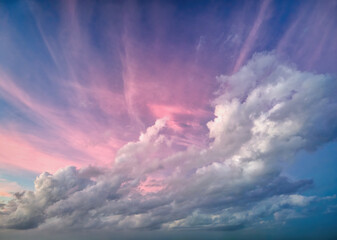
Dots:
(169, 119)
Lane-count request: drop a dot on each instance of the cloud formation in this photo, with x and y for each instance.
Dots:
(264, 114)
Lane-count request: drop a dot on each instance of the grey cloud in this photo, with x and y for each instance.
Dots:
(264, 114)
(27, 209)
(91, 172)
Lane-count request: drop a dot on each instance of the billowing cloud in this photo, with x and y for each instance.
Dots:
(264, 114)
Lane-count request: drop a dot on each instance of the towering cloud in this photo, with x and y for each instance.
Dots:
(264, 114)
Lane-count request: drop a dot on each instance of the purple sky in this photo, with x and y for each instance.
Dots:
(168, 115)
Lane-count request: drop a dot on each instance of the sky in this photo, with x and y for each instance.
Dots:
(168, 119)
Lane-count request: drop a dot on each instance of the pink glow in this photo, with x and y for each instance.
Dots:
(151, 185)
(94, 140)
(100, 110)
(152, 88)
(15, 152)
